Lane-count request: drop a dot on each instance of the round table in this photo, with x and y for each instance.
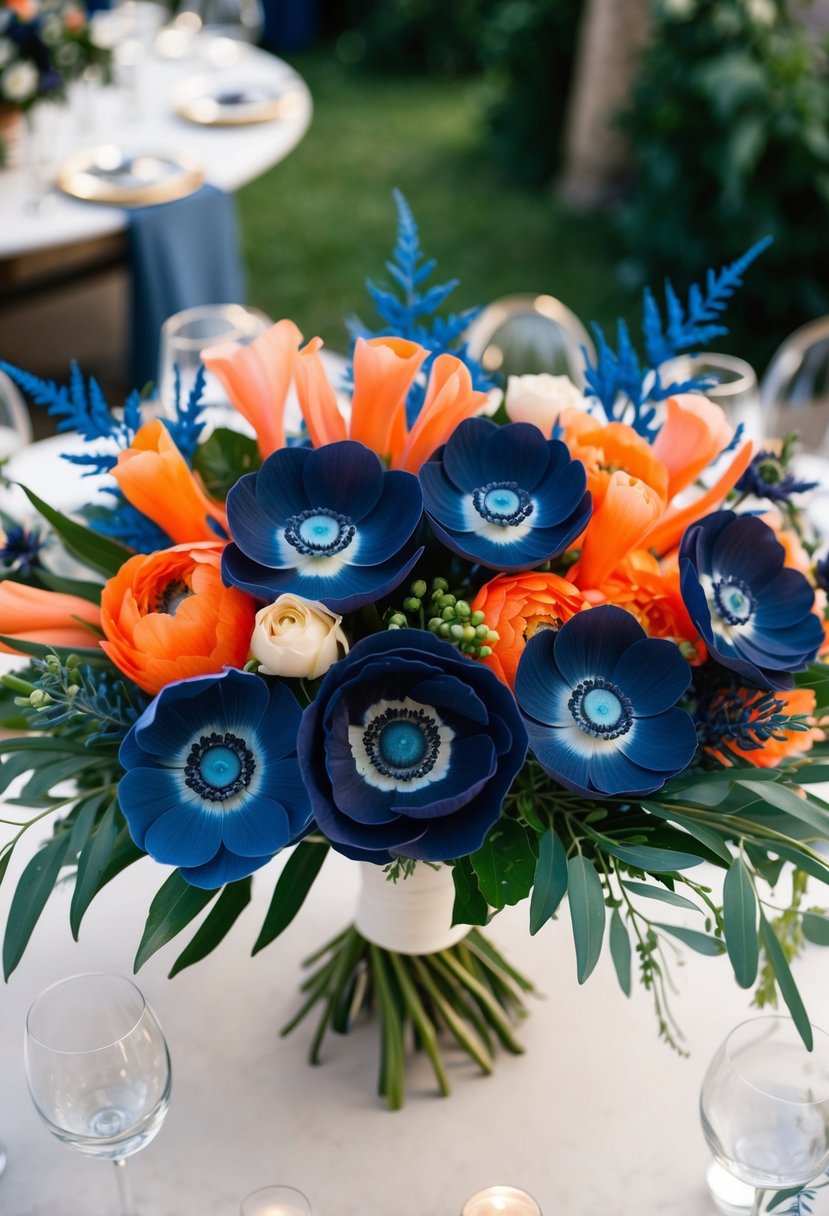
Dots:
(230, 156)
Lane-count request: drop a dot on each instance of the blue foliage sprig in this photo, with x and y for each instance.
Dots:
(732, 718)
(629, 388)
(92, 702)
(409, 311)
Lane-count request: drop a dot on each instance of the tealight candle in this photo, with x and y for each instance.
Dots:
(276, 1201)
(501, 1201)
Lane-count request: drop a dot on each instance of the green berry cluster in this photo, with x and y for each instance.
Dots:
(448, 616)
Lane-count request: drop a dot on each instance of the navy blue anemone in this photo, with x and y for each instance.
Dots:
(212, 782)
(408, 749)
(330, 525)
(599, 702)
(505, 496)
(754, 613)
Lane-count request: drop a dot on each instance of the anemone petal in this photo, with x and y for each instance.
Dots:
(351, 792)
(442, 499)
(257, 826)
(516, 452)
(279, 484)
(591, 643)
(653, 674)
(146, 793)
(243, 698)
(345, 477)
(472, 764)
(665, 743)
(254, 530)
(187, 835)
(539, 688)
(614, 774)
(458, 835)
(463, 456)
(789, 599)
(224, 867)
(448, 697)
(553, 748)
(557, 498)
(743, 549)
(385, 530)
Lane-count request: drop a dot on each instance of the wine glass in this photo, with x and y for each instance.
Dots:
(98, 1068)
(765, 1106)
(275, 1201)
(735, 389)
(522, 334)
(186, 334)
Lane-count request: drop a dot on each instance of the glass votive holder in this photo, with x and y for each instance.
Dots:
(275, 1201)
(735, 391)
(186, 334)
(501, 1201)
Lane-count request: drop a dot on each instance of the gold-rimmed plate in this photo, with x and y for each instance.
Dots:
(113, 175)
(236, 102)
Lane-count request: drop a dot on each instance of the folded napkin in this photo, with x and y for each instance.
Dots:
(182, 254)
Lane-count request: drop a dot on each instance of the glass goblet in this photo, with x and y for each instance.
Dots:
(735, 390)
(98, 1068)
(186, 334)
(275, 1201)
(764, 1106)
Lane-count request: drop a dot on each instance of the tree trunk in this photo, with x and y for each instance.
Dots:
(613, 33)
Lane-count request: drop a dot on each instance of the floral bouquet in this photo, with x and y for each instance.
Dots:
(44, 44)
(560, 646)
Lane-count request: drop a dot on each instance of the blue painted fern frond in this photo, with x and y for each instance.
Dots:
(409, 311)
(188, 423)
(628, 389)
(125, 523)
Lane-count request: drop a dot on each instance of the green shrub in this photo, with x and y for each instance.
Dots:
(416, 36)
(729, 124)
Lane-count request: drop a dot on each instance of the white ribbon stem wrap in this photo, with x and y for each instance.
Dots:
(410, 916)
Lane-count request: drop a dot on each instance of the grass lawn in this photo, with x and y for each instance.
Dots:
(316, 225)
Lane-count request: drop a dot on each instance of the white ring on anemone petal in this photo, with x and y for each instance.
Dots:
(389, 783)
(498, 534)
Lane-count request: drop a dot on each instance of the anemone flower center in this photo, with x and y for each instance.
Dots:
(600, 709)
(219, 766)
(319, 532)
(733, 600)
(503, 503)
(173, 596)
(402, 743)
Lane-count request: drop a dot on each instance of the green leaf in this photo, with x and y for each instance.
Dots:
(91, 865)
(649, 891)
(587, 912)
(292, 886)
(654, 861)
(740, 923)
(505, 864)
(470, 907)
(703, 943)
(174, 905)
(223, 458)
(816, 928)
(96, 551)
(705, 835)
(785, 799)
(811, 865)
(217, 924)
(550, 884)
(33, 889)
(620, 952)
(71, 586)
(785, 982)
(38, 651)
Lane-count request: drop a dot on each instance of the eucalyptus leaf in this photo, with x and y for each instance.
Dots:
(221, 918)
(33, 889)
(787, 800)
(550, 885)
(740, 922)
(662, 894)
(505, 864)
(653, 860)
(703, 943)
(816, 928)
(785, 982)
(291, 888)
(587, 913)
(620, 952)
(174, 905)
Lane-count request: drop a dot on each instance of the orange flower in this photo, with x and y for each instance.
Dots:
(694, 433)
(257, 378)
(793, 742)
(516, 606)
(26, 10)
(384, 371)
(627, 512)
(153, 475)
(650, 592)
(47, 617)
(167, 615)
(605, 449)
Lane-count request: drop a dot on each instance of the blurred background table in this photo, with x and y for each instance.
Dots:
(598, 1116)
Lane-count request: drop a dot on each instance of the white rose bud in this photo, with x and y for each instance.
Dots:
(297, 637)
(19, 82)
(540, 399)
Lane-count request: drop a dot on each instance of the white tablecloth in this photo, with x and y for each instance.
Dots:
(597, 1117)
(230, 156)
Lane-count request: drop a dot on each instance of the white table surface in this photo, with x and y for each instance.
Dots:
(596, 1117)
(230, 156)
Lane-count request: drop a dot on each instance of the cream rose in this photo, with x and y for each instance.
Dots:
(540, 399)
(297, 637)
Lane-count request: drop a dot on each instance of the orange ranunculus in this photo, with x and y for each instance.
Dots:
(384, 371)
(649, 591)
(47, 617)
(607, 448)
(792, 742)
(257, 378)
(153, 475)
(516, 606)
(167, 615)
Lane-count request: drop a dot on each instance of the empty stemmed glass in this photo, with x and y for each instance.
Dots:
(98, 1068)
(765, 1106)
